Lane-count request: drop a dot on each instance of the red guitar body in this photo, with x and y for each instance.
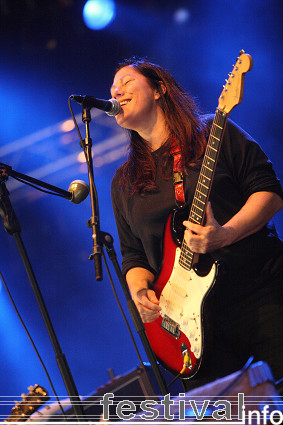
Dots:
(168, 346)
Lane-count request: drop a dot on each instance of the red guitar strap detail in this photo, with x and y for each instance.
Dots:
(178, 176)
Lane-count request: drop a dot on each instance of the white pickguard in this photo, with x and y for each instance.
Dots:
(181, 300)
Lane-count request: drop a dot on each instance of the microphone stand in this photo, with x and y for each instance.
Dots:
(93, 223)
(6, 170)
(12, 226)
(105, 239)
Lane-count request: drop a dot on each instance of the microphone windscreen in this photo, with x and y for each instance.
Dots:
(79, 190)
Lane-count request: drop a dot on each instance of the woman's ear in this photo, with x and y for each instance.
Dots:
(157, 92)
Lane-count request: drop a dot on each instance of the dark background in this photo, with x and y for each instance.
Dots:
(47, 53)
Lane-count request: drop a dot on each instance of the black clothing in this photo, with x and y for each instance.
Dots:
(242, 169)
(253, 266)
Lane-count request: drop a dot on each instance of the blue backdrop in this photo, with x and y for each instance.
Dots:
(47, 54)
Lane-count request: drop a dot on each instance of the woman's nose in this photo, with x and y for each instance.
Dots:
(118, 91)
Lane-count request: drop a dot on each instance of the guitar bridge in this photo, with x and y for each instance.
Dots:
(171, 327)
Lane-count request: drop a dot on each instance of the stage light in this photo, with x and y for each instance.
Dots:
(181, 15)
(98, 14)
(67, 125)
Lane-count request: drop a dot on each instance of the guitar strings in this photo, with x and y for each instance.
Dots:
(201, 192)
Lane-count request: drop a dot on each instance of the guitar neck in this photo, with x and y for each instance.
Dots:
(205, 180)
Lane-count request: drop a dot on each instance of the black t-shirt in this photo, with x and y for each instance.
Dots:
(242, 170)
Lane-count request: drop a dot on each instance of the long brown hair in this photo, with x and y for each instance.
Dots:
(183, 121)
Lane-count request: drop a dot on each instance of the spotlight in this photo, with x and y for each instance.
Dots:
(181, 15)
(98, 14)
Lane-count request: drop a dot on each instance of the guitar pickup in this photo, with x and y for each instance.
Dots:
(171, 327)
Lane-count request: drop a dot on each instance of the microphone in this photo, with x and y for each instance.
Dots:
(112, 107)
(78, 191)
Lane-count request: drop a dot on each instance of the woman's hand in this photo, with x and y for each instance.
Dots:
(147, 305)
(255, 213)
(208, 238)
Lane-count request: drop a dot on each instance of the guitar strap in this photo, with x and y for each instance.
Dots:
(178, 177)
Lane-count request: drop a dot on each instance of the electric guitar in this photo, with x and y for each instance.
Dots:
(181, 291)
(31, 402)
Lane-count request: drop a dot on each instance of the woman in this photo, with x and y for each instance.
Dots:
(245, 195)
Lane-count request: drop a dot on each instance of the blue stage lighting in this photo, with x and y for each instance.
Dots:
(98, 14)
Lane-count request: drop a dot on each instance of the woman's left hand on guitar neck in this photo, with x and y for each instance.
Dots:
(257, 211)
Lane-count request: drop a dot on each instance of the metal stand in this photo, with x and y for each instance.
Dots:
(108, 244)
(94, 220)
(12, 226)
(102, 238)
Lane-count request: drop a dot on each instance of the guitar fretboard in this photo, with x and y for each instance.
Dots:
(204, 182)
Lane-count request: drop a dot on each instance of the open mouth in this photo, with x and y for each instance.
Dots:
(125, 102)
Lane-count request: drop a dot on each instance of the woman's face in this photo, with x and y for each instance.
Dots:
(137, 98)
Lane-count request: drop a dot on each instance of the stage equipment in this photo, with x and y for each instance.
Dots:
(102, 239)
(12, 226)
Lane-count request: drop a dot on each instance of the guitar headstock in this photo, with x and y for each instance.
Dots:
(233, 90)
(31, 402)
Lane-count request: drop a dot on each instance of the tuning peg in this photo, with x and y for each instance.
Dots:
(23, 395)
(30, 388)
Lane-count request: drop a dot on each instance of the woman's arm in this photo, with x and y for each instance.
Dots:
(256, 212)
(138, 280)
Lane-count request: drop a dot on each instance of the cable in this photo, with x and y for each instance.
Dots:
(38, 188)
(187, 364)
(33, 344)
(75, 121)
(121, 309)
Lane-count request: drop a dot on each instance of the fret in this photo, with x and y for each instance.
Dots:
(204, 182)
(204, 185)
(210, 169)
(186, 260)
(199, 196)
(215, 137)
(192, 216)
(195, 206)
(209, 157)
(211, 147)
(198, 189)
(194, 219)
(211, 151)
(187, 257)
(198, 204)
(187, 267)
(187, 251)
(185, 264)
(199, 200)
(204, 172)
